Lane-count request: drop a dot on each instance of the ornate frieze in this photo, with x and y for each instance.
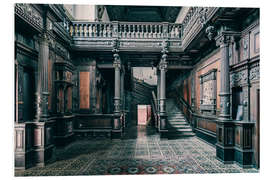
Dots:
(239, 78)
(202, 13)
(29, 14)
(254, 73)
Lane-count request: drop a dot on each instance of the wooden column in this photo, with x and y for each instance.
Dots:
(162, 106)
(43, 146)
(42, 88)
(225, 125)
(117, 129)
(158, 96)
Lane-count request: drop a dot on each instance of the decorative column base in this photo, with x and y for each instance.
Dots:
(23, 149)
(225, 141)
(163, 126)
(117, 130)
(43, 146)
(243, 144)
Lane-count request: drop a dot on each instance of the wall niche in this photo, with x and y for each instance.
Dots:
(208, 95)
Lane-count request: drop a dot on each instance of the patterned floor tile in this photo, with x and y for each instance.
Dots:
(146, 154)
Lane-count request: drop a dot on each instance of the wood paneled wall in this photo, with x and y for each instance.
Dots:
(84, 90)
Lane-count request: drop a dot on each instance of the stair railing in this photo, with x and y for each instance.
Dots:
(186, 108)
(154, 107)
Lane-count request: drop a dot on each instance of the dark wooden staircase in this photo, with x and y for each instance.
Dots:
(178, 127)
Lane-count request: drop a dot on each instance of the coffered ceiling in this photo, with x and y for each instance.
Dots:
(143, 13)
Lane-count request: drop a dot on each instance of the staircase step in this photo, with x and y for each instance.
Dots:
(181, 126)
(180, 130)
(176, 120)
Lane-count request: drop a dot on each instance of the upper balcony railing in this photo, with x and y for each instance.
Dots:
(125, 30)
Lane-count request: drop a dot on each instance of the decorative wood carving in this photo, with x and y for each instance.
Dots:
(208, 93)
(239, 78)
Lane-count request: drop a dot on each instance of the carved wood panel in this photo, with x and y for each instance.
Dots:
(69, 98)
(84, 90)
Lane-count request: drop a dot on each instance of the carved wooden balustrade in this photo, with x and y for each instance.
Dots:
(130, 35)
(125, 30)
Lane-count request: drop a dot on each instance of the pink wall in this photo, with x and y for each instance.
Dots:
(144, 114)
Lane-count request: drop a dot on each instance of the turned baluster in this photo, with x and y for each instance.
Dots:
(94, 30)
(154, 35)
(81, 30)
(133, 31)
(146, 31)
(77, 29)
(177, 31)
(129, 32)
(71, 30)
(151, 31)
(159, 31)
(142, 31)
(109, 30)
(123, 31)
(91, 30)
(171, 31)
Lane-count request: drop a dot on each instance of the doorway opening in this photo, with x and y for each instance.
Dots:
(144, 115)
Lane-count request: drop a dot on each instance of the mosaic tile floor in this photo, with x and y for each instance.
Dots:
(140, 152)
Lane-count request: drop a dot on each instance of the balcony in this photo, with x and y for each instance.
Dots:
(131, 36)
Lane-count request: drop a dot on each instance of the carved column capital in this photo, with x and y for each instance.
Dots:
(43, 38)
(226, 38)
(117, 61)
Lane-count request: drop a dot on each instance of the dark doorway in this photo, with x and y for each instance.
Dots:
(236, 100)
(28, 95)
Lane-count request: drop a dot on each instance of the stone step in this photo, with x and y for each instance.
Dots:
(180, 130)
(181, 126)
(176, 120)
(170, 117)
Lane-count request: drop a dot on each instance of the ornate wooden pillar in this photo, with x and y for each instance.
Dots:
(122, 90)
(162, 105)
(117, 129)
(158, 96)
(42, 88)
(43, 146)
(225, 125)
